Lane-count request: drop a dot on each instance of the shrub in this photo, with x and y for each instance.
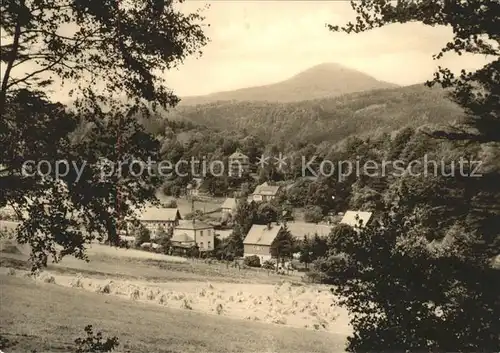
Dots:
(313, 214)
(169, 204)
(252, 261)
(268, 265)
(143, 235)
(94, 343)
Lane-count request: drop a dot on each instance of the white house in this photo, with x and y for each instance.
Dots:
(229, 205)
(259, 241)
(195, 232)
(265, 192)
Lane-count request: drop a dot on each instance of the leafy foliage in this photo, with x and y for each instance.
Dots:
(252, 261)
(328, 120)
(312, 248)
(94, 343)
(268, 265)
(283, 245)
(313, 214)
(117, 48)
(163, 238)
(426, 267)
(109, 45)
(475, 31)
(143, 235)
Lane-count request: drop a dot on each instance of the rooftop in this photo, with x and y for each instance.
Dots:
(262, 235)
(350, 218)
(238, 155)
(230, 202)
(197, 225)
(159, 214)
(266, 189)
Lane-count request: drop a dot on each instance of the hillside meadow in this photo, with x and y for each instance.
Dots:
(124, 285)
(49, 317)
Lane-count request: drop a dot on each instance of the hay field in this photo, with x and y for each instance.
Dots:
(143, 280)
(49, 317)
(308, 307)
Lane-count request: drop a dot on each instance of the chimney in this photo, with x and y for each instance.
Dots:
(269, 226)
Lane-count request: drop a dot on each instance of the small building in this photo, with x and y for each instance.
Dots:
(238, 164)
(229, 206)
(353, 219)
(265, 192)
(156, 218)
(259, 240)
(195, 232)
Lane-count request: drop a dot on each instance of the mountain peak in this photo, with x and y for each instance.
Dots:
(324, 67)
(320, 81)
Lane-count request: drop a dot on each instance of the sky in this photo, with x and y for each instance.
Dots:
(261, 42)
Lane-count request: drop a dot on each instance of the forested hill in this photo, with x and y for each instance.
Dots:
(328, 119)
(320, 81)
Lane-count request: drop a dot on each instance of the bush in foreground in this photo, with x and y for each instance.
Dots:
(92, 343)
(252, 261)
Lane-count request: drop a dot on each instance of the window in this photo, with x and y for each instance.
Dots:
(208, 245)
(201, 233)
(201, 245)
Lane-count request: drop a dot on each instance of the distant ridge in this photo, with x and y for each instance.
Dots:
(320, 81)
(326, 119)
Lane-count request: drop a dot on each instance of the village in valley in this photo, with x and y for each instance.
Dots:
(249, 176)
(206, 233)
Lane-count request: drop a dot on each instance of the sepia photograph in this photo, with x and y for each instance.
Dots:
(249, 176)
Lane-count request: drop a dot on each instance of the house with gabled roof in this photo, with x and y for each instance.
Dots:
(156, 218)
(259, 240)
(239, 164)
(229, 205)
(265, 192)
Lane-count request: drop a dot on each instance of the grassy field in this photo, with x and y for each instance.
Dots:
(48, 317)
(263, 312)
(108, 261)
